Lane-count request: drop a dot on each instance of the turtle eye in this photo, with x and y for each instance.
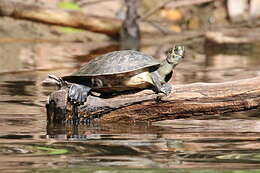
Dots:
(179, 50)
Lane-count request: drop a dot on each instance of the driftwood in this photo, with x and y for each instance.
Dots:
(234, 36)
(109, 26)
(242, 41)
(185, 101)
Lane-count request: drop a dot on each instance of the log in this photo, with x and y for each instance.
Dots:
(185, 101)
(234, 36)
(233, 41)
(77, 19)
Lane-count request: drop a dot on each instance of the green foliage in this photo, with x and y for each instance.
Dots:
(70, 30)
(52, 151)
(68, 5)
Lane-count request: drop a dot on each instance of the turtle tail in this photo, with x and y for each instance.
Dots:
(59, 81)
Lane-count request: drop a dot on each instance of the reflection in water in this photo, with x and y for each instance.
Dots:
(221, 61)
(227, 67)
(179, 143)
(14, 88)
(27, 142)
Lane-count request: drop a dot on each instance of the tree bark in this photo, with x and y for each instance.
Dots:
(185, 101)
(77, 19)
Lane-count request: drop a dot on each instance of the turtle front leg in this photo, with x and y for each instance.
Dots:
(77, 95)
(159, 87)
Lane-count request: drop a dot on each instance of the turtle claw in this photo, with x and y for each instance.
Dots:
(78, 94)
(166, 89)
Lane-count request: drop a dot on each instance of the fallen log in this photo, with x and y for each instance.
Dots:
(185, 101)
(77, 19)
(233, 41)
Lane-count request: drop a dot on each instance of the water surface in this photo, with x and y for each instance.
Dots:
(221, 143)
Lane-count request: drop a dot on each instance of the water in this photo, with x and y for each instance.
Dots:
(221, 143)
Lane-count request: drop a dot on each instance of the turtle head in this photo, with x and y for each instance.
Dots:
(175, 55)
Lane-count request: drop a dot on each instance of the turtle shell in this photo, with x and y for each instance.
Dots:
(115, 71)
(115, 63)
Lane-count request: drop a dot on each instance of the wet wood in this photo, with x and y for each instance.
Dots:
(77, 19)
(185, 101)
(57, 105)
(234, 36)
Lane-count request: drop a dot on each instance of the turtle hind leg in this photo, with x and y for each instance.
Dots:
(159, 87)
(77, 96)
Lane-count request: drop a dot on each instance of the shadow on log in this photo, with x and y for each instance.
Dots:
(185, 101)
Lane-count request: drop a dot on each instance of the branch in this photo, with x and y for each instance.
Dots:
(185, 101)
(109, 26)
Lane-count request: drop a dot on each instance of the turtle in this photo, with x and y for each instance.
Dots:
(124, 70)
